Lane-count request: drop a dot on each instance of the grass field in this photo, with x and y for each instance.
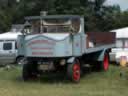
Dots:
(92, 84)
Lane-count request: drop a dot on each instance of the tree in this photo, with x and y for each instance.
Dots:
(98, 17)
(6, 14)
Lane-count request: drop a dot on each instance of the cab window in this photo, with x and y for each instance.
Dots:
(7, 46)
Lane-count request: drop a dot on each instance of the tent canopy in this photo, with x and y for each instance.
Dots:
(9, 35)
(121, 33)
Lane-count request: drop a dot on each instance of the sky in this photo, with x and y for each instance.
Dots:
(123, 3)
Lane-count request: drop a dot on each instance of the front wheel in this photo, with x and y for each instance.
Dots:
(73, 71)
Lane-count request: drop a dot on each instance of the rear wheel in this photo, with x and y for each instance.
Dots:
(103, 65)
(29, 72)
(73, 71)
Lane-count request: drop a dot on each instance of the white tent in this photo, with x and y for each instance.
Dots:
(121, 45)
(13, 33)
(121, 33)
(9, 35)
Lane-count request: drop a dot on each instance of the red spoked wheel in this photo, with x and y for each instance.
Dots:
(73, 71)
(106, 62)
(102, 65)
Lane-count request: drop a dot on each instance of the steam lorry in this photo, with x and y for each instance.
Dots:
(59, 43)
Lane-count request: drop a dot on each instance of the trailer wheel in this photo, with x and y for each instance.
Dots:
(73, 71)
(29, 72)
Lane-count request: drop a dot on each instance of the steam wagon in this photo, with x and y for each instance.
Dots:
(59, 43)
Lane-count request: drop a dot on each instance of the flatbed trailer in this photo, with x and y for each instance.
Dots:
(55, 43)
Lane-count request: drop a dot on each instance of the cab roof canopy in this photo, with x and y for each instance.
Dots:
(53, 17)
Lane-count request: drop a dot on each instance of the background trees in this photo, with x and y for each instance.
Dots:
(98, 16)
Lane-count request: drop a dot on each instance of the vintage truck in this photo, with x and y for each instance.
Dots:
(59, 43)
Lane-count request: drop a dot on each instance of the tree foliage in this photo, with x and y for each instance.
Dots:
(98, 16)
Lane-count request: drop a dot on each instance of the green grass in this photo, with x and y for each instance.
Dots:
(92, 84)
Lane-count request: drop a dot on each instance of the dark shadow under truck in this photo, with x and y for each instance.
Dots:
(59, 43)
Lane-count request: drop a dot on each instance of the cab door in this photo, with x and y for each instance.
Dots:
(77, 45)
